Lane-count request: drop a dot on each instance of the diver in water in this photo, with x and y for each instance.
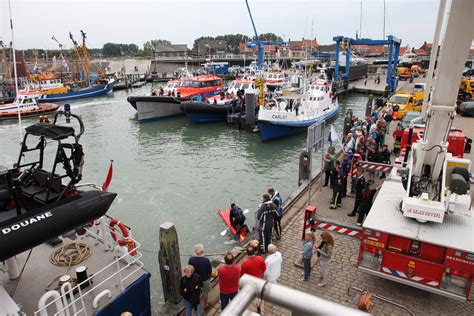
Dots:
(237, 219)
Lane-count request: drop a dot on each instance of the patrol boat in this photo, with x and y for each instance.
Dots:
(41, 214)
(293, 114)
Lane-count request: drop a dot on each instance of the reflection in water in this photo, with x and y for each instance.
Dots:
(175, 171)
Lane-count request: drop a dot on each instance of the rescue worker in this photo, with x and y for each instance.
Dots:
(277, 200)
(359, 186)
(366, 203)
(346, 168)
(266, 214)
(237, 219)
(338, 188)
(397, 139)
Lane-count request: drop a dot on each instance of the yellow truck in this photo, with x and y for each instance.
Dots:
(405, 101)
(466, 89)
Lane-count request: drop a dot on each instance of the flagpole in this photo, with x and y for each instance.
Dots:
(15, 72)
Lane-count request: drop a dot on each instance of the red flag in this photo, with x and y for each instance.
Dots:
(108, 178)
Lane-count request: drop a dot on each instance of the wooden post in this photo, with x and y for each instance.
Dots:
(170, 264)
(304, 172)
(347, 122)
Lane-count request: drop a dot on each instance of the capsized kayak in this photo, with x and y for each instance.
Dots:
(225, 217)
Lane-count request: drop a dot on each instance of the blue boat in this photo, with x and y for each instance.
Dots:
(202, 112)
(89, 92)
(294, 114)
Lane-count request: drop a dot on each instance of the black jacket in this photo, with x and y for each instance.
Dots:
(193, 287)
(359, 186)
(384, 156)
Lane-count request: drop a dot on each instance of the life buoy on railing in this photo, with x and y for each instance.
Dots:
(126, 241)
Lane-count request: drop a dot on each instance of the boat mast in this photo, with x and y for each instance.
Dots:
(383, 19)
(360, 21)
(85, 53)
(15, 72)
(74, 43)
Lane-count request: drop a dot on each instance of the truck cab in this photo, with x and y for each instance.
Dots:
(403, 102)
(466, 89)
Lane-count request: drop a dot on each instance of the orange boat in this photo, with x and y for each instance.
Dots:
(28, 106)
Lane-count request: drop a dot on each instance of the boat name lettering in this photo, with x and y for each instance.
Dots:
(279, 117)
(424, 213)
(26, 222)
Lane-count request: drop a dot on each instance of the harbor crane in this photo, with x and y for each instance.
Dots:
(258, 43)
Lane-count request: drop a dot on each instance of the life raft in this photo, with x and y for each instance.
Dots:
(126, 241)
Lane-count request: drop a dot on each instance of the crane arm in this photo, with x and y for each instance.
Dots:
(251, 19)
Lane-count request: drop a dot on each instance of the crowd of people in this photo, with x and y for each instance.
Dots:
(364, 142)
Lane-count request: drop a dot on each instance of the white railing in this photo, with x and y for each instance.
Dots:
(67, 303)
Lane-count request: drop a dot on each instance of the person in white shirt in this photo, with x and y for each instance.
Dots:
(273, 262)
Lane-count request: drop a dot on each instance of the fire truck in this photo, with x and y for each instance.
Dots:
(420, 229)
(459, 144)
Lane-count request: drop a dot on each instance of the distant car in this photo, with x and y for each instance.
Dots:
(408, 117)
(468, 73)
(466, 108)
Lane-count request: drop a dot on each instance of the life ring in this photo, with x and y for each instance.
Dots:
(126, 241)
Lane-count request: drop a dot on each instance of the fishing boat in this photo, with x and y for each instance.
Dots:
(62, 253)
(76, 91)
(160, 107)
(294, 113)
(246, 84)
(27, 104)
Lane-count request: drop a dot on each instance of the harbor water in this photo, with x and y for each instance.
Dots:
(172, 170)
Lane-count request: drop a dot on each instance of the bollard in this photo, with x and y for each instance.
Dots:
(170, 262)
(250, 109)
(304, 171)
(347, 122)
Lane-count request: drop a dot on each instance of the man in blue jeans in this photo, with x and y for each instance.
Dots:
(307, 254)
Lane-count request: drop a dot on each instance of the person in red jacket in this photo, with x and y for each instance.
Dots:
(229, 275)
(253, 265)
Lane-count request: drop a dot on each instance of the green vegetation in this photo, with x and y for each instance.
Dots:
(118, 50)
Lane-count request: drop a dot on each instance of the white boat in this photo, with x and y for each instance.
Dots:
(293, 114)
(408, 58)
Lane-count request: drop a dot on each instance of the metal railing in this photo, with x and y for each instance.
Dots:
(300, 303)
(70, 300)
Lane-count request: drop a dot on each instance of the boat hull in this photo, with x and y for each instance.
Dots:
(156, 107)
(276, 129)
(200, 113)
(81, 94)
(35, 227)
(41, 109)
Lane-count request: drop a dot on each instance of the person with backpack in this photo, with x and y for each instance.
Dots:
(237, 219)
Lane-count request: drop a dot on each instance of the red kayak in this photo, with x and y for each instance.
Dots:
(225, 217)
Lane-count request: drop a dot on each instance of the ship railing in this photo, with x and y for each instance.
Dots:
(87, 295)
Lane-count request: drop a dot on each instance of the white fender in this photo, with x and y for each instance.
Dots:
(98, 297)
(66, 289)
(104, 229)
(57, 302)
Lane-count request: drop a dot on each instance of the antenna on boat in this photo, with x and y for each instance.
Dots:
(15, 72)
(360, 21)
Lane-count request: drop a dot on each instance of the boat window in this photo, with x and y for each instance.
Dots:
(187, 83)
(245, 86)
(216, 83)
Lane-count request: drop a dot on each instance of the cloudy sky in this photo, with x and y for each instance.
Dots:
(180, 21)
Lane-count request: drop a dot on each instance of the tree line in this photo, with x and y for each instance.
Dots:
(119, 49)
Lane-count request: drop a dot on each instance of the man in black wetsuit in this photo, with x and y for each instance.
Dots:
(266, 214)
